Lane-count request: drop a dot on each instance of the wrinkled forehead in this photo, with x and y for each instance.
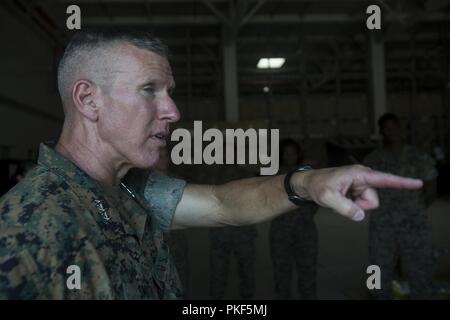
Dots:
(134, 64)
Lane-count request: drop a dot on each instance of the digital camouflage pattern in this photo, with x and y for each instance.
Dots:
(58, 216)
(293, 240)
(177, 239)
(400, 228)
(179, 248)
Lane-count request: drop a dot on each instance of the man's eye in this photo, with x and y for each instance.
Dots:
(149, 90)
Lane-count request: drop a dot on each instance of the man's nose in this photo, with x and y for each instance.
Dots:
(168, 110)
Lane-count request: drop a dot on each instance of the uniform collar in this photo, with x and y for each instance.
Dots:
(89, 190)
(53, 160)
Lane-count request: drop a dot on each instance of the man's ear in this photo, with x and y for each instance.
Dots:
(83, 96)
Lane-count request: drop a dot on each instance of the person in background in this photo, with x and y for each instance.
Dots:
(21, 171)
(399, 228)
(225, 243)
(293, 238)
(228, 242)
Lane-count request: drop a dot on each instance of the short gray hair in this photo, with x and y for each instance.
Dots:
(90, 45)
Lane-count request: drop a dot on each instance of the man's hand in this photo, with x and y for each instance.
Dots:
(348, 190)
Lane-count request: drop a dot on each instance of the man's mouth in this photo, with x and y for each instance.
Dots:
(161, 137)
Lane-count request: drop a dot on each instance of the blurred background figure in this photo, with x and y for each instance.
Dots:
(225, 243)
(22, 170)
(400, 229)
(294, 239)
(178, 240)
(229, 242)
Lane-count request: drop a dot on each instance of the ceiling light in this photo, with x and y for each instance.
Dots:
(270, 63)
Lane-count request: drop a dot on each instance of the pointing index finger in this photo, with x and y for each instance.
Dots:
(385, 180)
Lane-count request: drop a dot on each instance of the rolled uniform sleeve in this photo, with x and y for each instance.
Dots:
(163, 193)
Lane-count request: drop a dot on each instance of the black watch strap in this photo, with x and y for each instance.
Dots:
(292, 196)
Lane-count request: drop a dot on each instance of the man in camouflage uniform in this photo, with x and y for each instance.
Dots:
(77, 209)
(70, 219)
(293, 238)
(294, 246)
(179, 249)
(400, 228)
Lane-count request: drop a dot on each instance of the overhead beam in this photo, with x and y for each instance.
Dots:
(80, 2)
(217, 12)
(251, 13)
(257, 19)
(207, 40)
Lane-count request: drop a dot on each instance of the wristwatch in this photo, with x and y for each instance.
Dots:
(292, 196)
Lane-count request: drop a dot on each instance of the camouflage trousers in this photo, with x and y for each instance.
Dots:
(408, 242)
(244, 253)
(294, 248)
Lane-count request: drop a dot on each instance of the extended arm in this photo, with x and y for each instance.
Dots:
(348, 190)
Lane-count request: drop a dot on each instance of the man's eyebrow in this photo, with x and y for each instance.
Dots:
(155, 83)
(148, 82)
(151, 82)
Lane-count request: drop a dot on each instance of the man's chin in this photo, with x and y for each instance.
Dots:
(148, 161)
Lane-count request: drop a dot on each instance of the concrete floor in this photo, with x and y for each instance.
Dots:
(343, 257)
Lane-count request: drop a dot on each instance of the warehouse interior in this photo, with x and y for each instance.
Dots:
(337, 79)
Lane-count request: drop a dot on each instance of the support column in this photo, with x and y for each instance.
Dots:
(337, 98)
(303, 94)
(189, 74)
(230, 80)
(445, 41)
(378, 101)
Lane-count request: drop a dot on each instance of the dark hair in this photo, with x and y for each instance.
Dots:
(289, 142)
(388, 117)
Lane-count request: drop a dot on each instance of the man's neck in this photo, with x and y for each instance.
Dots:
(92, 159)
